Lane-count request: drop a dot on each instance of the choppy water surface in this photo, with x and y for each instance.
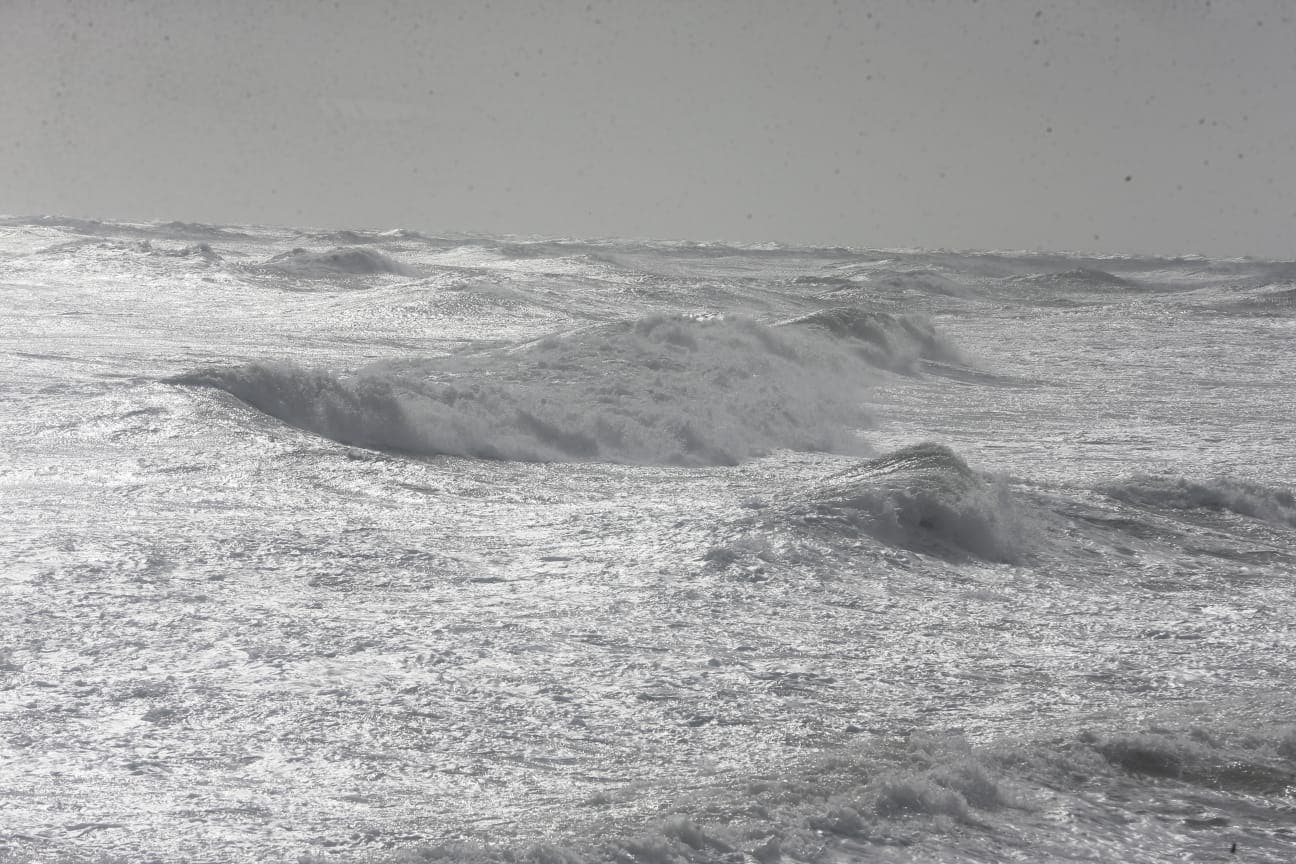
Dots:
(379, 546)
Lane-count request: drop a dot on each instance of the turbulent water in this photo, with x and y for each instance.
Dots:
(368, 547)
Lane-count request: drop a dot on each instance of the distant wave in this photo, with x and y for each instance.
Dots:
(926, 281)
(816, 280)
(101, 228)
(658, 390)
(573, 257)
(348, 237)
(197, 230)
(1272, 300)
(887, 341)
(862, 280)
(194, 250)
(549, 260)
(342, 260)
(923, 498)
(80, 226)
(1280, 272)
(145, 248)
(1081, 278)
(1243, 497)
(538, 249)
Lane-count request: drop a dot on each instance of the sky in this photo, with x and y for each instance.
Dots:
(1130, 126)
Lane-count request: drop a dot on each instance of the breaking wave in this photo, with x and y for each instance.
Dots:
(658, 390)
(1243, 497)
(924, 498)
(897, 342)
(933, 796)
(1250, 764)
(342, 260)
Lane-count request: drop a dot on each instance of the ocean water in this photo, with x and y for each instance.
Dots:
(370, 547)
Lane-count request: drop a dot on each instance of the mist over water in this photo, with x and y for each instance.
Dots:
(379, 546)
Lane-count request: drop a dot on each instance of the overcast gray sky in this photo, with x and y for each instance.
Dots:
(1142, 125)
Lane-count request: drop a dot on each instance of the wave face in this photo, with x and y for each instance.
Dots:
(926, 499)
(659, 390)
(1242, 497)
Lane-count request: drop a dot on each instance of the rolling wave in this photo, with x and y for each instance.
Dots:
(354, 261)
(926, 499)
(657, 390)
(896, 342)
(932, 796)
(1243, 497)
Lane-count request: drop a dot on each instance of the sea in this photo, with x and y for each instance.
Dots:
(386, 546)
